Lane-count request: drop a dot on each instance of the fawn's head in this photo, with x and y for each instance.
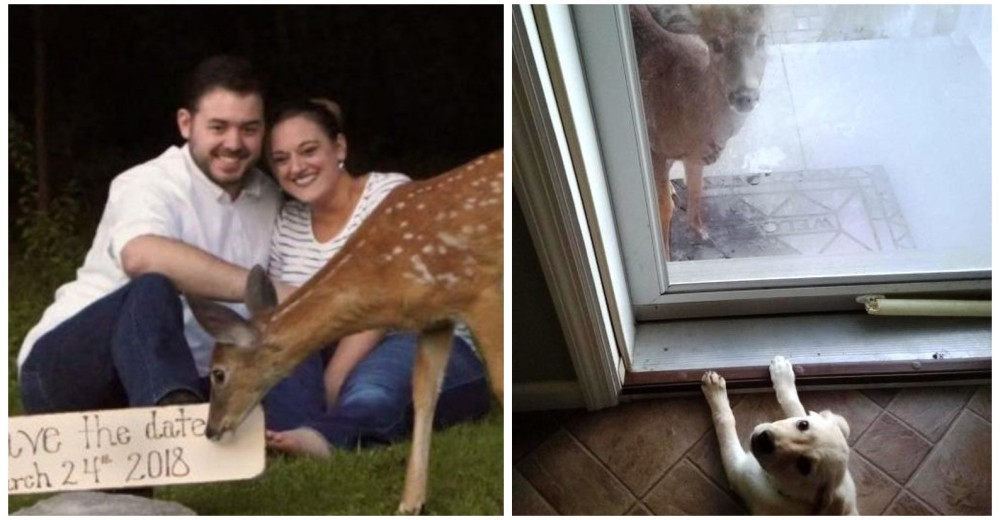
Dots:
(242, 369)
(735, 35)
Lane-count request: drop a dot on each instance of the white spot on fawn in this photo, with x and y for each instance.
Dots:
(397, 250)
(453, 241)
(420, 269)
(407, 236)
(449, 279)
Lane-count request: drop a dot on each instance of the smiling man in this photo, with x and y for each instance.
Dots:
(194, 219)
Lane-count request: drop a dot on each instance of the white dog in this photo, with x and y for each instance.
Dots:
(799, 464)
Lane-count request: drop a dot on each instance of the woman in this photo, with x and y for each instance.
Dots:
(357, 391)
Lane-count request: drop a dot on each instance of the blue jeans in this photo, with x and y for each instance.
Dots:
(126, 349)
(375, 405)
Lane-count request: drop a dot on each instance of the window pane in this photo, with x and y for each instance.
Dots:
(840, 143)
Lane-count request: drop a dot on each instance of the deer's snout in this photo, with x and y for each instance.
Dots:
(744, 100)
(213, 433)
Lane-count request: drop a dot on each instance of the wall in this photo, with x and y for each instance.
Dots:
(539, 347)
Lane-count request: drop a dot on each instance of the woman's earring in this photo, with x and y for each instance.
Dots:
(340, 165)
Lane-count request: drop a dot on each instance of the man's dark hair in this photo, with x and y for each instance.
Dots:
(233, 73)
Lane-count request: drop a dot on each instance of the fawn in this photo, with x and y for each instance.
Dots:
(430, 255)
(700, 67)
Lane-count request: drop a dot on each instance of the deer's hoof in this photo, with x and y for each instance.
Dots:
(410, 510)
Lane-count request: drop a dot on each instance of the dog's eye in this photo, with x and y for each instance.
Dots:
(804, 465)
(802, 425)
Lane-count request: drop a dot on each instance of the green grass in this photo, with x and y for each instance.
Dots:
(466, 474)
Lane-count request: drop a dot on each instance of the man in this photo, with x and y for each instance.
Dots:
(194, 219)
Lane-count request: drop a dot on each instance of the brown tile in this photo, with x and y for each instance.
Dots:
(930, 410)
(881, 396)
(685, 491)
(907, 505)
(859, 411)
(893, 447)
(639, 441)
(571, 480)
(530, 430)
(639, 510)
(706, 456)
(956, 478)
(982, 402)
(875, 489)
(526, 500)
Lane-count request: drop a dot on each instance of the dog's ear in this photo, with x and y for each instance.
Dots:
(838, 420)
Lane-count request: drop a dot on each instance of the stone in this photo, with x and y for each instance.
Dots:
(95, 503)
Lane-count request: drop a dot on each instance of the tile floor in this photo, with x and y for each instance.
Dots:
(915, 451)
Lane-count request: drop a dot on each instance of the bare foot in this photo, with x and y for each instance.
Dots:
(300, 441)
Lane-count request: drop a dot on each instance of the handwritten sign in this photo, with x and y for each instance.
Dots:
(127, 448)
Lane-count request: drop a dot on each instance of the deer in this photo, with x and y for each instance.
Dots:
(430, 255)
(700, 70)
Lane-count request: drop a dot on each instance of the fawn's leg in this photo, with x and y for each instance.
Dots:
(733, 456)
(428, 372)
(664, 195)
(485, 318)
(783, 379)
(693, 177)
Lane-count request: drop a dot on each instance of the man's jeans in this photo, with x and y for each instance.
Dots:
(376, 402)
(126, 349)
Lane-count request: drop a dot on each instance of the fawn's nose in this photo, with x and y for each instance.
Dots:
(212, 433)
(762, 443)
(744, 99)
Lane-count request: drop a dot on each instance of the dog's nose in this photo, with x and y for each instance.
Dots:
(744, 99)
(762, 443)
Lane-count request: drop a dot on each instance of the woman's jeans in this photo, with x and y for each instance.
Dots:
(126, 349)
(375, 405)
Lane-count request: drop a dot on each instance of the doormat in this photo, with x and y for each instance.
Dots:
(815, 212)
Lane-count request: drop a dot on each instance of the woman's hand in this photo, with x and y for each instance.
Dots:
(284, 290)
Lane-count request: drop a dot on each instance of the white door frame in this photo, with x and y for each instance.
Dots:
(559, 180)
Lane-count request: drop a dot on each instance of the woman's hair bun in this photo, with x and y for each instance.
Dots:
(332, 107)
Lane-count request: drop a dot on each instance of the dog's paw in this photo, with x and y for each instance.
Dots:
(713, 385)
(782, 371)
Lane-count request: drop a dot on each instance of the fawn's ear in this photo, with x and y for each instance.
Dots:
(260, 293)
(223, 323)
